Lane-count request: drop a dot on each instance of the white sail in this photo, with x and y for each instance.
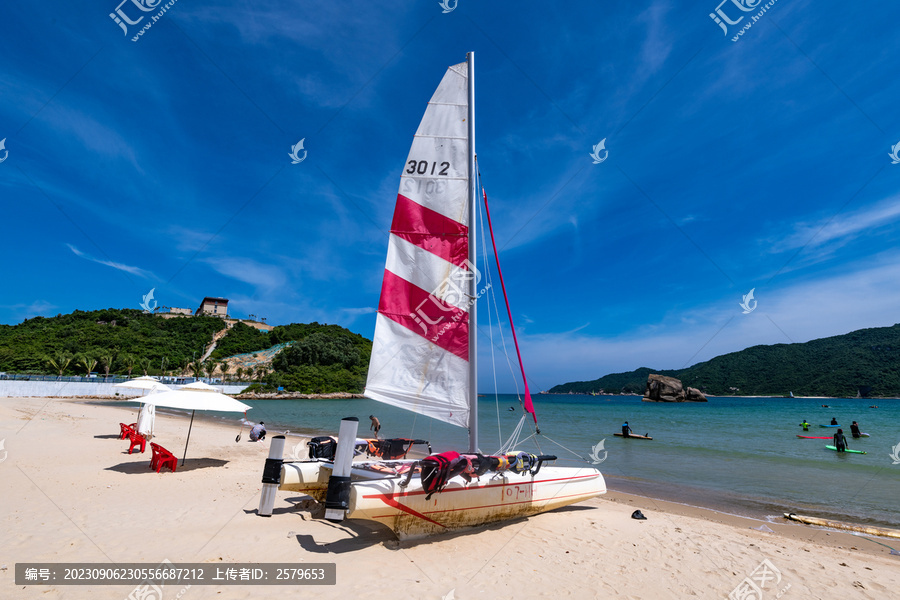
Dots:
(420, 350)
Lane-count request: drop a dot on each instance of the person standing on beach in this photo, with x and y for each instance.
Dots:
(840, 442)
(376, 425)
(626, 430)
(854, 429)
(258, 433)
(804, 425)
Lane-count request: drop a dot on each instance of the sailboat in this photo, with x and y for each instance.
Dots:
(424, 356)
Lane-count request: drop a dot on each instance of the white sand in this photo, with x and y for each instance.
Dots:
(71, 493)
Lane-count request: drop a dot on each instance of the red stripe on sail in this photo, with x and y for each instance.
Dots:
(417, 310)
(431, 231)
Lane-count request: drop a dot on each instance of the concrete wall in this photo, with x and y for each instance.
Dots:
(41, 389)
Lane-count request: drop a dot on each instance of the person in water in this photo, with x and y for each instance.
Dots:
(258, 433)
(804, 425)
(854, 430)
(376, 424)
(626, 430)
(840, 442)
(833, 421)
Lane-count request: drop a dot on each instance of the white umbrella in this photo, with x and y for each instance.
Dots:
(143, 383)
(197, 396)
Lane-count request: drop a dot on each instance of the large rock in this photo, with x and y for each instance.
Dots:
(668, 389)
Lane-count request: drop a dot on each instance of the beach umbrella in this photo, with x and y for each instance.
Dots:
(197, 396)
(143, 383)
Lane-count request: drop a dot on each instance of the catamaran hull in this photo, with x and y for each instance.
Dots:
(408, 513)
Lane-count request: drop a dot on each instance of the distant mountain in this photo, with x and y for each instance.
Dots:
(865, 362)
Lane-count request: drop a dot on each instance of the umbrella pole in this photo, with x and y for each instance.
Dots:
(183, 458)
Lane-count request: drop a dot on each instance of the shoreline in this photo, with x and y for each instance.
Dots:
(717, 501)
(76, 495)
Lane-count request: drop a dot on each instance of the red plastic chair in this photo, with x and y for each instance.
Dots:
(154, 448)
(162, 458)
(136, 439)
(126, 429)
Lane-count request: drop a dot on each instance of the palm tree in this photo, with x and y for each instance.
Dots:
(60, 363)
(88, 363)
(223, 368)
(145, 366)
(129, 361)
(261, 372)
(197, 369)
(239, 373)
(107, 361)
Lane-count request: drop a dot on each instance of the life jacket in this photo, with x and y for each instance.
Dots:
(520, 462)
(392, 449)
(438, 469)
(471, 466)
(499, 463)
(322, 447)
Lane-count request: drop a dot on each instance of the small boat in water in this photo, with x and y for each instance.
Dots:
(634, 435)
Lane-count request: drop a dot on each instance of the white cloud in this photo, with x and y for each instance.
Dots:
(841, 228)
(121, 267)
(249, 271)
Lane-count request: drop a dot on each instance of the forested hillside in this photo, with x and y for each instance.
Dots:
(865, 361)
(320, 359)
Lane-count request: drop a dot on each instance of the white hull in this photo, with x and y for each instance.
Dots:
(460, 505)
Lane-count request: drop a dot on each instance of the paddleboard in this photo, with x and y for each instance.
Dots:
(813, 437)
(847, 450)
(635, 436)
(829, 425)
(861, 434)
(841, 525)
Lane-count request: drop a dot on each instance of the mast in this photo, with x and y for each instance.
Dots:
(473, 318)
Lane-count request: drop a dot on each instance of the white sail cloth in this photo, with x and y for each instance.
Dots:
(420, 349)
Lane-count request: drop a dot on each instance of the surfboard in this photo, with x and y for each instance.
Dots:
(847, 450)
(829, 425)
(813, 437)
(635, 436)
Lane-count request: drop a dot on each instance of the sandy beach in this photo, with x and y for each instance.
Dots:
(72, 493)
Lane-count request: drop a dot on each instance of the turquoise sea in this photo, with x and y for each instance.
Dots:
(739, 455)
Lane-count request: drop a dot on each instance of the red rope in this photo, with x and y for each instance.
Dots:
(529, 405)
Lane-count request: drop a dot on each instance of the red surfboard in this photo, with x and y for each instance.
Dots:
(809, 437)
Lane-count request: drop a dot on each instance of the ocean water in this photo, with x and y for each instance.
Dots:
(741, 455)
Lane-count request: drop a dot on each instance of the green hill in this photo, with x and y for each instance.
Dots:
(322, 358)
(864, 361)
(111, 333)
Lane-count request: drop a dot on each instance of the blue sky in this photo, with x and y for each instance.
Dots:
(761, 163)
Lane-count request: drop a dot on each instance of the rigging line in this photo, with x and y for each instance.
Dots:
(491, 334)
(493, 298)
(566, 449)
(489, 286)
(499, 324)
(514, 437)
(529, 406)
